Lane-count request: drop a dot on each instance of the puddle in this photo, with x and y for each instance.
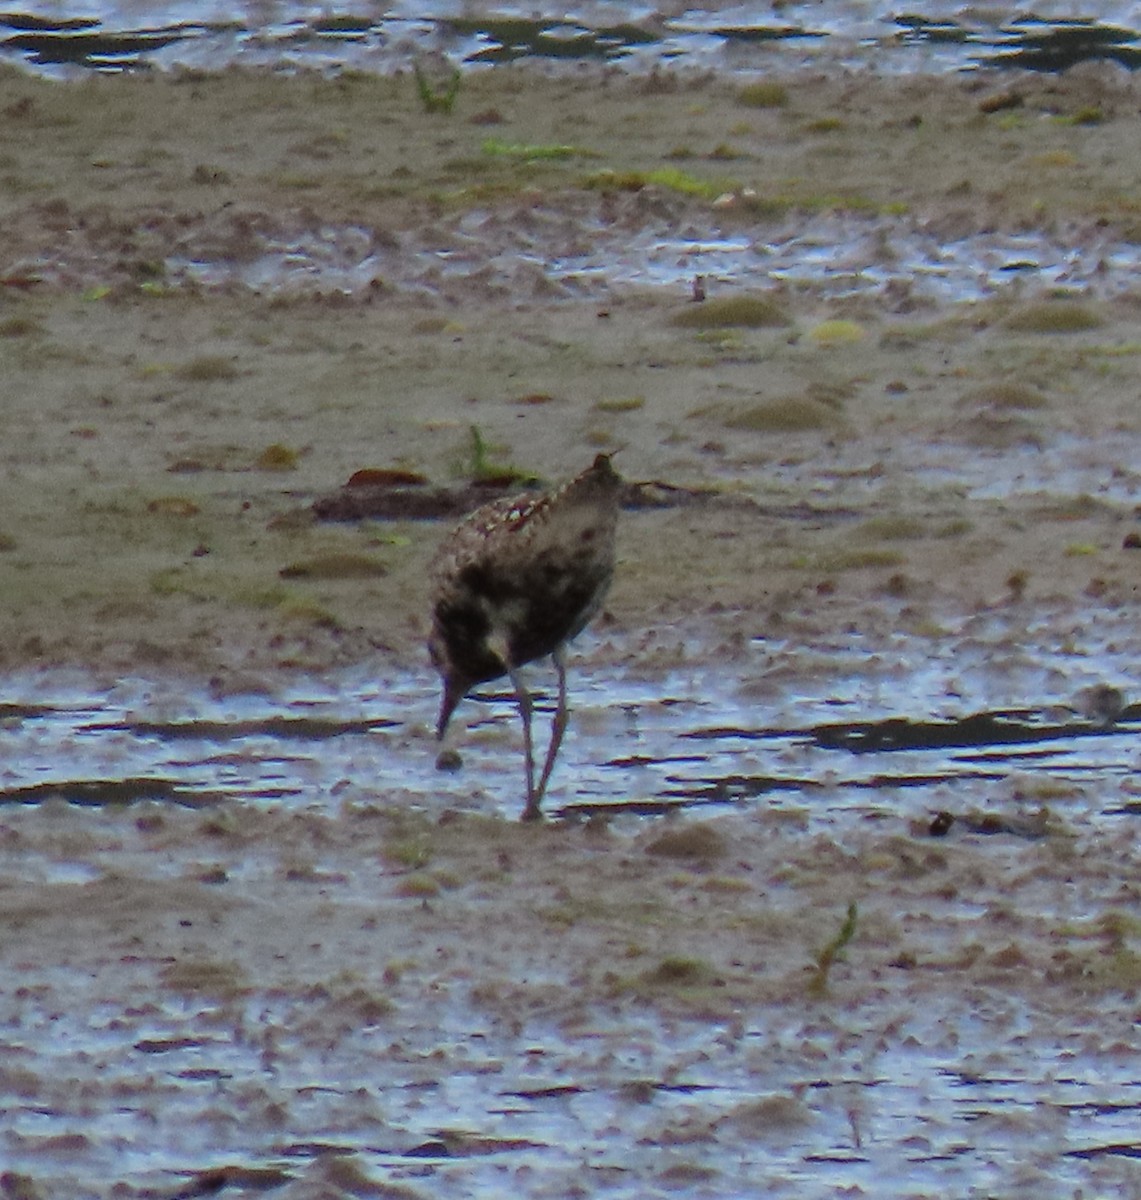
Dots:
(900, 261)
(839, 256)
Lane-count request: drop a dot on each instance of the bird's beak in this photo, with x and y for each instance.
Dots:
(454, 692)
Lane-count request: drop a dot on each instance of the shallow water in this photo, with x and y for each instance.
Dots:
(898, 260)
(103, 35)
(884, 1101)
(465, 1109)
(856, 727)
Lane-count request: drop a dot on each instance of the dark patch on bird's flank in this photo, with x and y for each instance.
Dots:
(465, 645)
(478, 579)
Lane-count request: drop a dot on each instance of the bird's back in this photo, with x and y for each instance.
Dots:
(529, 572)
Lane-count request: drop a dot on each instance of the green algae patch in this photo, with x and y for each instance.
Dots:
(483, 466)
(1054, 316)
(695, 843)
(677, 972)
(207, 368)
(620, 404)
(891, 528)
(1006, 396)
(436, 96)
(1079, 507)
(763, 94)
(671, 179)
(335, 566)
(208, 976)
(725, 152)
(277, 457)
(418, 886)
(824, 125)
(412, 852)
(728, 312)
(836, 333)
(867, 558)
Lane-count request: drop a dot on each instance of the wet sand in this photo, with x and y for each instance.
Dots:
(378, 989)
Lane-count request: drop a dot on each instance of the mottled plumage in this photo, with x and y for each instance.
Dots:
(515, 581)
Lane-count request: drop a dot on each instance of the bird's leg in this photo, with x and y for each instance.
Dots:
(558, 728)
(523, 698)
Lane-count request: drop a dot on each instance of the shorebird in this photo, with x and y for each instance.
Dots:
(515, 581)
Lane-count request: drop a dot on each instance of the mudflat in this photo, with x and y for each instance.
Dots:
(164, 437)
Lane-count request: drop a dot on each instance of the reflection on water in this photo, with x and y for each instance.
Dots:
(115, 37)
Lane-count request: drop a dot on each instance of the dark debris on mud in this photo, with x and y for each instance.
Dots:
(422, 502)
(105, 793)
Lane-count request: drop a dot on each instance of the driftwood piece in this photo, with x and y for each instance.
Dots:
(403, 502)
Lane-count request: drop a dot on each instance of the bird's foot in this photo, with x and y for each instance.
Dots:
(533, 811)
